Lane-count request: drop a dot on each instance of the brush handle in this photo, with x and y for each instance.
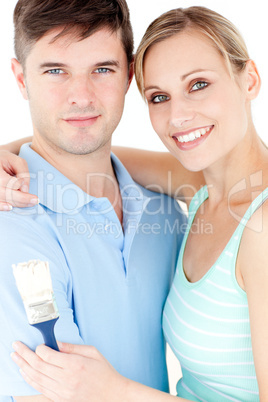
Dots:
(47, 330)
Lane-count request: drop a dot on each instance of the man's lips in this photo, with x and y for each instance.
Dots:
(83, 121)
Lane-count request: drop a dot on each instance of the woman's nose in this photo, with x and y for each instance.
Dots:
(181, 113)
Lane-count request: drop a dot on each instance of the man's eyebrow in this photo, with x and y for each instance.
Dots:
(49, 64)
(112, 63)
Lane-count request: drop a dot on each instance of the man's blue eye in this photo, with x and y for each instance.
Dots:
(55, 71)
(102, 70)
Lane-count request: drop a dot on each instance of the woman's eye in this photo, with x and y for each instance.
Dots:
(198, 86)
(159, 99)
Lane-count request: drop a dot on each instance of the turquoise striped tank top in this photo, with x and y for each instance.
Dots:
(206, 324)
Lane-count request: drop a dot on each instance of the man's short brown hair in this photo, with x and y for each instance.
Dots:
(34, 18)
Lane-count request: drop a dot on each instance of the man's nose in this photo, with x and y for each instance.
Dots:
(81, 92)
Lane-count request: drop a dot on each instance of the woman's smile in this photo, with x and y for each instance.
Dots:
(196, 107)
(192, 138)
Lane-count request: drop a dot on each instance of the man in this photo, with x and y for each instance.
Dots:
(111, 245)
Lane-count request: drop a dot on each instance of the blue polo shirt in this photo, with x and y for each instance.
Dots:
(110, 284)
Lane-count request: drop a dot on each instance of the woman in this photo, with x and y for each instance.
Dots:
(193, 68)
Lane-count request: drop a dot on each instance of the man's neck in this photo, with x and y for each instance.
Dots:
(93, 172)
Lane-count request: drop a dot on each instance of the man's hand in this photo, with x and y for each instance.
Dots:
(76, 373)
(14, 182)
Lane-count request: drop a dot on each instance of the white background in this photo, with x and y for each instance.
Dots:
(135, 130)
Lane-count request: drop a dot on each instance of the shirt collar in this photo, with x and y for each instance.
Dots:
(56, 192)
(128, 187)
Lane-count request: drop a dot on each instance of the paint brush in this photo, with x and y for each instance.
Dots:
(35, 287)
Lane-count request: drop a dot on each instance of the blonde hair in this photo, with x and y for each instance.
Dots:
(217, 28)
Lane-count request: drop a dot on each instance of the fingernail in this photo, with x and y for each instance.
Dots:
(34, 201)
(15, 345)
(14, 356)
(7, 207)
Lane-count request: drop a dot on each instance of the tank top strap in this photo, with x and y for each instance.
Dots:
(257, 203)
(197, 201)
(235, 240)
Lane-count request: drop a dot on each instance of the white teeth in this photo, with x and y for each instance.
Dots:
(193, 135)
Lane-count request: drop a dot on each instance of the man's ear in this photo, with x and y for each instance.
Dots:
(130, 74)
(253, 80)
(19, 76)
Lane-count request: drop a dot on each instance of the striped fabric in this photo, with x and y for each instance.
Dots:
(206, 324)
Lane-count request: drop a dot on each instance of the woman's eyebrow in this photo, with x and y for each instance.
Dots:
(151, 87)
(198, 70)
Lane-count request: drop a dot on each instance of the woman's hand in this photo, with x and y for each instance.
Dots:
(76, 373)
(14, 182)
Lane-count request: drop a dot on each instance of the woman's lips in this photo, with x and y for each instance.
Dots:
(191, 138)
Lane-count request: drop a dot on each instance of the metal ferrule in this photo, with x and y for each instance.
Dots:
(41, 311)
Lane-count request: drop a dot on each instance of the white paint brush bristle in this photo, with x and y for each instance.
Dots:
(35, 286)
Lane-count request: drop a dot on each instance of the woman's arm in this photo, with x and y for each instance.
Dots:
(80, 373)
(14, 147)
(14, 177)
(158, 171)
(252, 264)
(161, 172)
(35, 398)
